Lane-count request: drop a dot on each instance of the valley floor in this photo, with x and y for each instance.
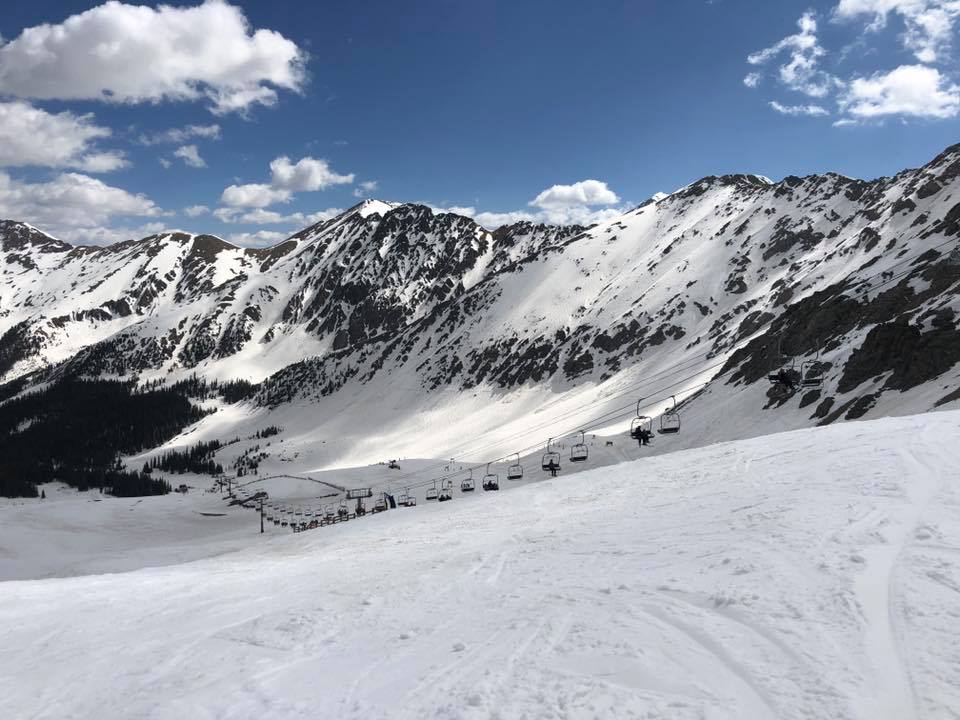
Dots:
(813, 574)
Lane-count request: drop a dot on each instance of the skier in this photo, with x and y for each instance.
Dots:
(786, 380)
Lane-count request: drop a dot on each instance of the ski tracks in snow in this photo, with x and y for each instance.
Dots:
(892, 696)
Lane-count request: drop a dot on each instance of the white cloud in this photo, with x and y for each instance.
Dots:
(306, 175)
(557, 205)
(801, 72)
(261, 238)
(365, 188)
(912, 90)
(110, 235)
(811, 110)
(164, 162)
(196, 210)
(134, 53)
(253, 195)
(30, 136)
(190, 156)
(752, 80)
(102, 162)
(74, 205)
(176, 136)
(929, 23)
(259, 216)
(583, 193)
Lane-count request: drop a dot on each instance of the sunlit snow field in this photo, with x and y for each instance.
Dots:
(812, 574)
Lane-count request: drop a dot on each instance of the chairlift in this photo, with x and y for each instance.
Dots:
(811, 373)
(343, 510)
(381, 504)
(578, 451)
(467, 484)
(491, 481)
(641, 427)
(670, 420)
(515, 471)
(432, 493)
(329, 512)
(446, 491)
(550, 461)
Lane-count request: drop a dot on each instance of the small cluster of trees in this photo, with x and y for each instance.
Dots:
(195, 459)
(196, 387)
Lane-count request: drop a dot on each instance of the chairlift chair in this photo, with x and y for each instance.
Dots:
(670, 420)
(491, 481)
(641, 427)
(515, 471)
(550, 461)
(343, 510)
(467, 484)
(811, 373)
(446, 491)
(432, 493)
(329, 512)
(381, 504)
(579, 451)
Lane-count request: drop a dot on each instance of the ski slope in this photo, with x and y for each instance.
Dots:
(811, 574)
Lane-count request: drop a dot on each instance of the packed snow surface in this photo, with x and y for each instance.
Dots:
(812, 574)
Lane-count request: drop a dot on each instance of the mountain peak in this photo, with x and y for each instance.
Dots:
(373, 206)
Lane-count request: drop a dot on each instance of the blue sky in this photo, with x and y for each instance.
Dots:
(118, 119)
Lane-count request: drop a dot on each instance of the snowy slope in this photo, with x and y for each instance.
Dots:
(809, 574)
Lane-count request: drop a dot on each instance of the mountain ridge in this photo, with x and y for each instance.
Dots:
(420, 309)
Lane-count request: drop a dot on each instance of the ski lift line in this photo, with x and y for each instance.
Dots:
(627, 390)
(630, 389)
(596, 423)
(914, 257)
(528, 448)
(901, 274)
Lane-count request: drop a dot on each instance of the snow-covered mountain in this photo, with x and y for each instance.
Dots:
(185, 302)
(404, 331)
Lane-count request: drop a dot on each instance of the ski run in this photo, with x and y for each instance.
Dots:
(809, 574)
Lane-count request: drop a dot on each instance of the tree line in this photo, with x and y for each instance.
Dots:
(75, 431)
